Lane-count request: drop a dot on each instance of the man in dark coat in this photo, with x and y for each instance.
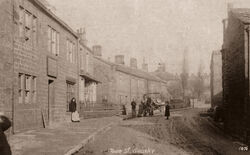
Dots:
(167, 110)
(5, 124)
(149, 106)
(133, 105)
(140, 111)
(144, 106)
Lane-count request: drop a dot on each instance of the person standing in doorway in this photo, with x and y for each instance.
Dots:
(72, 109)
(167, 110)
(133, 105)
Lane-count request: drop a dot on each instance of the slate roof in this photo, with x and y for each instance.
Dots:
(105, 61)
(165, 76)
(53, 16)
(86, 47)
(133, 71)
(138, 73)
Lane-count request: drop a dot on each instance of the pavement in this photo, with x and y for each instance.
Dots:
(61, 139)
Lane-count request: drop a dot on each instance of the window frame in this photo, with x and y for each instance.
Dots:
(27, 89)
(53, 41)
(34, 31)
(28, 26)
(71, 51)
(21, 88)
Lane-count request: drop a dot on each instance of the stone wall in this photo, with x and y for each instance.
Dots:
(33, 60)
(233, 75)
(6, 57)
(104, 72)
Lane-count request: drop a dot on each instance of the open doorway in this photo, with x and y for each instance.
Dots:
(51, 97)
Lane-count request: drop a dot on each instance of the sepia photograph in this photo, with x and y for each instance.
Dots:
(124, 77)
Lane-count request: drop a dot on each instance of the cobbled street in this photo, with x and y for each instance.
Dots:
(185, 133)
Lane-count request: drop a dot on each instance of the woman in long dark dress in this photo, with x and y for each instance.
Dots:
(72, 109)
(167, 110)
(133, 105)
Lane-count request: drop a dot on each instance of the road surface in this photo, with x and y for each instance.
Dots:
(184, 133)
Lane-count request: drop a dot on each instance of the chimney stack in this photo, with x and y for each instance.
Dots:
(230, 6)
(97, 50)
(161, 67)
(144, 66)
(119, 59)
(82, 35)
(133, 63)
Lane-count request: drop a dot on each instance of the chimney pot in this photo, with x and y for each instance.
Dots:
(133, 62)
(97, 50)
(119, 59)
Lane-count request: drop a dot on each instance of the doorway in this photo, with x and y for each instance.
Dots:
(51, 98)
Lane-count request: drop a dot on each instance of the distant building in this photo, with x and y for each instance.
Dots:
(206, 92)
(120, 84)
(104, 71)
(216, 78)
(161, 67)
(87, 82)
(173, 83)
(235, 72)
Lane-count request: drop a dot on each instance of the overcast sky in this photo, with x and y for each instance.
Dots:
(158, 30)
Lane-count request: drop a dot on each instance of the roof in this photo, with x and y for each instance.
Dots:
(132, 71)
(89, 77)
(52, 15)
(243, 14)
(85, 46)
(105, 61)
(138, 73)
(165, 76)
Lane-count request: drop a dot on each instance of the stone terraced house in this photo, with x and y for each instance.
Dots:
(235, 72)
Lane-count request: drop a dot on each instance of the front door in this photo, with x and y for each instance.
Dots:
(51, 98)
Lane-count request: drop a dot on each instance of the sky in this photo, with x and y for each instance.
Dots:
(157, 30)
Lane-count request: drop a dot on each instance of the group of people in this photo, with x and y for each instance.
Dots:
(147, 106)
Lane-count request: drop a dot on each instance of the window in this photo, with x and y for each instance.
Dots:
(21, 21)
(27, 26)
(20, 88)
(87, 62)
(34, 89)
(53, 41)
(71, 55)
(57, 43)
(70, 93)
(34, 32)
(81, 59)
(27, 89)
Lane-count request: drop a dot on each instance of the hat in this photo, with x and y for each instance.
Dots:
(5, 123)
